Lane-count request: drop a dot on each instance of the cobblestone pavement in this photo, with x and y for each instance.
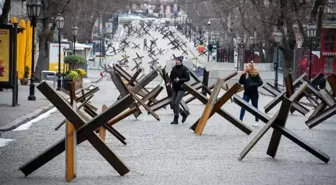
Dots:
(160, 153)
(8, 113)
(12, 117)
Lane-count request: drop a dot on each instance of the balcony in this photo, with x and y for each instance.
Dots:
(329, 17)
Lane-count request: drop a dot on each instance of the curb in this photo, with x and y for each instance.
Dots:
(23, 119)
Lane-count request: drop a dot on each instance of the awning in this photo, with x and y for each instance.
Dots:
(329, 54)
(80, 46)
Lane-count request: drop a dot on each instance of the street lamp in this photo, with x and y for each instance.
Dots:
(185, 25)
(190, 29)
(74, 30)
(59, 24)
(311, 33)
(209, 24)
(102, 45)
(277, 37)
(33, 11)
(239, 42)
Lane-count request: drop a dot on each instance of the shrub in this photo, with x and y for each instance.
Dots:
(81, 72)
(74, 61)
(72, 75)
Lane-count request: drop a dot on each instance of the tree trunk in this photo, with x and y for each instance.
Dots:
(87, 34)
(261, 55)
(43, 58)
(289, 58)
(269, 54)
(5, 11)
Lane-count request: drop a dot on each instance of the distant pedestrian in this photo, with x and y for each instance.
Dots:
(251, 81)
(200, 48)
(145, 45)
(178, 76)
(210, 48)
(195, 42)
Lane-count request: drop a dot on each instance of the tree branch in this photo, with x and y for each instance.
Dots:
(5, 12)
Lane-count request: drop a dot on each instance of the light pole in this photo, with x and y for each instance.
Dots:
(209, 24)
(33, 11)
(185, 25)
(74, 30)
(102, 46)
(311, 33)
(190, 29)
(59, 24)
(277, 37)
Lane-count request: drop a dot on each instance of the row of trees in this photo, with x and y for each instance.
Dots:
(83, 13)
(242, 18)
(247, 18)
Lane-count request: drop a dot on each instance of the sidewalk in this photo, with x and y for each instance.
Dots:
(10, 116)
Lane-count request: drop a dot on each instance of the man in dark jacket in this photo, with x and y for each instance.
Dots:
(178, 76)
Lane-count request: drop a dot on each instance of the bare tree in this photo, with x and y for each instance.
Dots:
(5, 11)
(263, 16)
(49, 11)
(83, 13)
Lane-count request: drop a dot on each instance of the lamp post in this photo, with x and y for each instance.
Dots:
(239, 42)
(102, 46)
(59, 24)
(74, 30)
(190, 29)
(209, 24)
(277, 37)
(33, 11)
(185, 25)
(311, 33)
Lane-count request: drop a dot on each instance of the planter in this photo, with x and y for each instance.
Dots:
(67, 84)
(24, 81)
(78, 84)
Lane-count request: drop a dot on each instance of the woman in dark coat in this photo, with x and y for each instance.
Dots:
(251, 81)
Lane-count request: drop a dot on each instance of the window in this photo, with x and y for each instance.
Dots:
(329, 64)
(329, 40)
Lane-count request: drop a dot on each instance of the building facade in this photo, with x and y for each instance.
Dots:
(160, 8)
(328, 39)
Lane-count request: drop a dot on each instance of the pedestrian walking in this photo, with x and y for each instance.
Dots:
(178, 76)
(210, 47)
(200, 48)
(145, 45)
(251, 81)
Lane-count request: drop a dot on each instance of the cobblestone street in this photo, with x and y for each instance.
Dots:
(160, 153)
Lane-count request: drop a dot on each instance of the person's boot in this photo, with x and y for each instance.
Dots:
(175, 122)
(184, 116)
